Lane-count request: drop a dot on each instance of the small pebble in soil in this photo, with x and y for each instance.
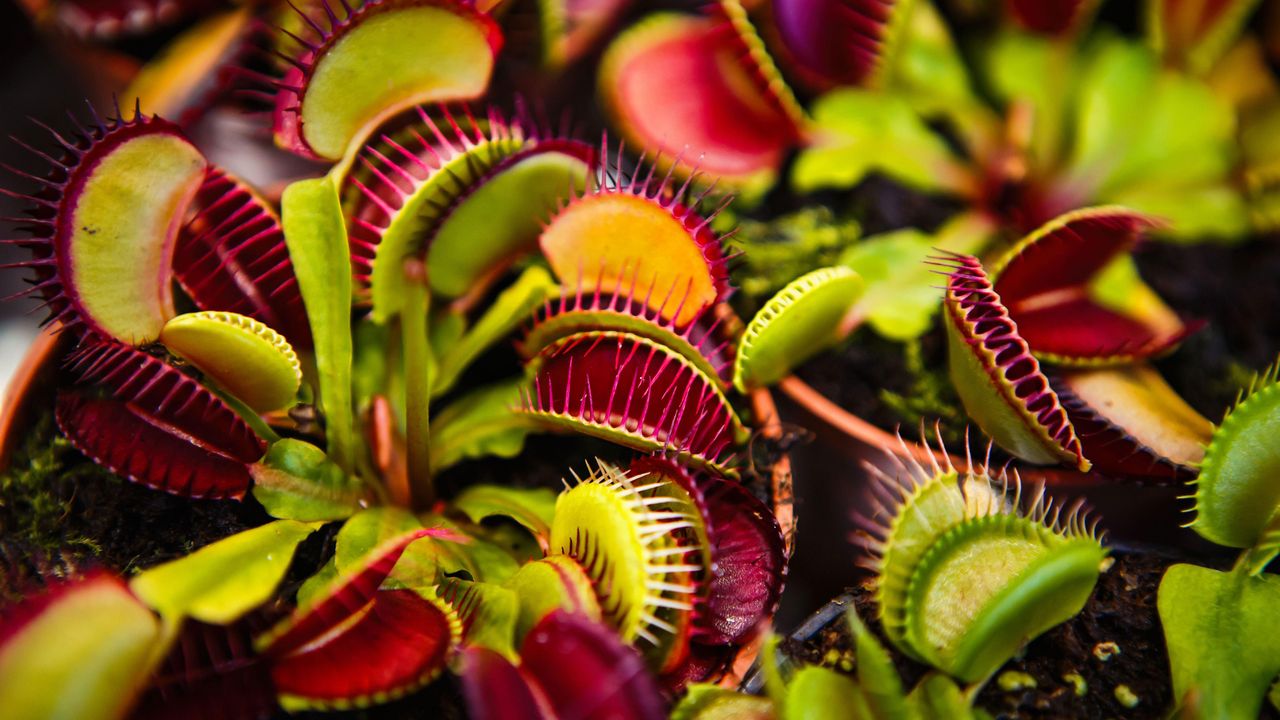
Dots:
(1106, 563)
(1014, 681)
(1077, 683)
(1126, 697)
(1104, 651)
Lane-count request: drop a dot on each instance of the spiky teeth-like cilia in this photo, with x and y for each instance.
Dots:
(232, 256)
(1044, 282)
(159, 428)
(840, 42)
(965, 575)
(619, 309)
(467, 194)
(103, 224)
(638, 542)
(640, 233)
(637, 393)
(803, 319)
(1130, 422)
(356, 67)
(703, 72)
(246, 358)
(1236, 494)
(996, 376)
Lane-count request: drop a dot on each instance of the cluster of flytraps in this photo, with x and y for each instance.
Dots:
(205, 314)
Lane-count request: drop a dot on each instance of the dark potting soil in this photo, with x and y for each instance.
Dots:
(1122, 610)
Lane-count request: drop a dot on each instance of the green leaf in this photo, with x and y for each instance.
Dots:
(316, 235)
(818, 693)
(1223, 641)
(804, 318)
(318, 582)
(1036, 71)
(297, 481)
(876, 674)
(532, 508)
(509, 311)
(84, 657)
(928, 66)
(902, 294)
(937, 697)
(480, 424)
(555, 582)
(712, 702)
(367, 530)
(857, 132)
(222, 581)
(488, 611)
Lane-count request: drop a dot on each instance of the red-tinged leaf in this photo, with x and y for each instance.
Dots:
(703, 664)
(1049, 17)
(1044, 283)
(838, 42)
(750, 564)
(174, 400)
(713, 107)
(634, 392)
(396, 643)
(571, 28)
(133, 443)
(232, 256)
(584, 671)
(212, 673)
(496, 690)
(106, 20)
(345, 596)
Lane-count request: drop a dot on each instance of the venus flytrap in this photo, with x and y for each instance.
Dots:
(1223, 649)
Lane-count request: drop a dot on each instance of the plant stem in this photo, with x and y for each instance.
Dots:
(417, 383)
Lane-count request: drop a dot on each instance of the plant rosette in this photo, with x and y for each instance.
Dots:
(323, 380)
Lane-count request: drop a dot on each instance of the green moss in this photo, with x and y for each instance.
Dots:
(780, 250)
(36, 491)
(930, 396)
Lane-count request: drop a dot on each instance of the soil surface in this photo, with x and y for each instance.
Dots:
(1122, 610)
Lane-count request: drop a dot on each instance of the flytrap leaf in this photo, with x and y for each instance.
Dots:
(965, 576)
(1131, 423)
(467, 194)
(618, 309)
(482, 423)
(1236, 494)
(1224, 651)
(1195, 33)
(246, 358)
(636, 236)
(570, 666)
(211, 672)
(354, 69)
(806, 317)
(572, 28)
(1044, 283)
(532, 508)
(718, 88)
(222, 581)
(640, 547)
(352, 644)
(297, 481)
(996, 376)
(193, 71)
(159, 427)
(82, 649)
(1051, 17)
(488, 613)
(232, 256)
(103, 224)
(712, 702)
(636, 393)
(840, 42)
(317, 240)
(556, 582)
